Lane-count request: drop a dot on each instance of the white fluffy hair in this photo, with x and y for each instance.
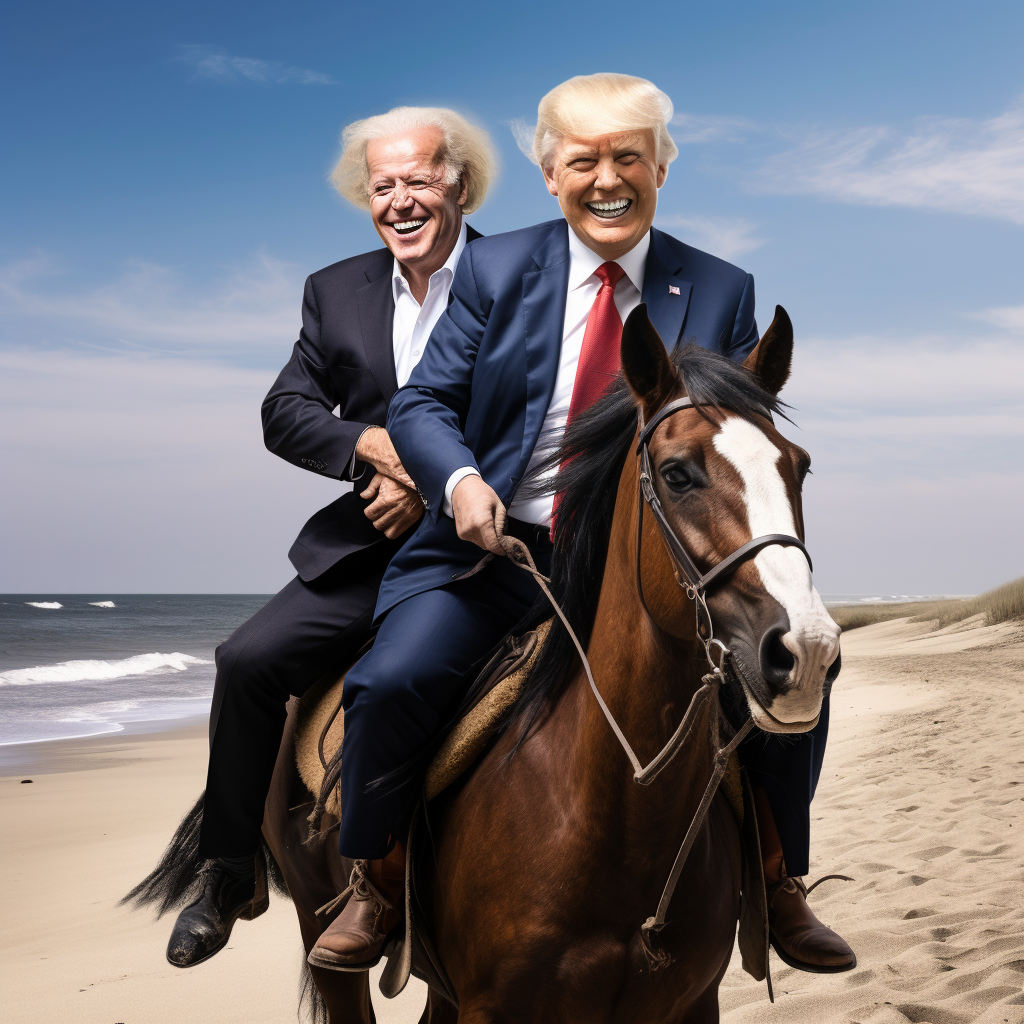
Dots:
(600, 104)
(466, 152)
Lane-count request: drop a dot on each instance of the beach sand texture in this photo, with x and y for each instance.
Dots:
(919, 802)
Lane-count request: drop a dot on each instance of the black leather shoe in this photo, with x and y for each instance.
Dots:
(204, 927)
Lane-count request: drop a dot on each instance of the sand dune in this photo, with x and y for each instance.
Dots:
(919, 802)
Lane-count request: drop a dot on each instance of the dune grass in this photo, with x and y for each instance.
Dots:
(999, 605)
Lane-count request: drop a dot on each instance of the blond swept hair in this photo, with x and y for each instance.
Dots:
(600, 104)
(466, 152)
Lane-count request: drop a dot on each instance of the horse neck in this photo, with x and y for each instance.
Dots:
(646, 675)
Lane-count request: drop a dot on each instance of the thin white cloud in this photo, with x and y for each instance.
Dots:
(150, 307)
(725, 237)
(214, 64)
(1007, 318)
(690, 129)
(957, 165)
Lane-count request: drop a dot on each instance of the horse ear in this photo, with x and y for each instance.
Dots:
(645, 364)
(773, 354)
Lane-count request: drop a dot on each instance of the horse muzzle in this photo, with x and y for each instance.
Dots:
(786, 680)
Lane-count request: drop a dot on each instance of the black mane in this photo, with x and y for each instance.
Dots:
(591, 455)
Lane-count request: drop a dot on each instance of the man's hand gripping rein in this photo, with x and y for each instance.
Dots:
(479, 514)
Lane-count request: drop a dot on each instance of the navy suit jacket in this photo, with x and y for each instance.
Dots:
(479, 395)
(345, 360)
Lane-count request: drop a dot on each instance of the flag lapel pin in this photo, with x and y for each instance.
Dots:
(673, 289)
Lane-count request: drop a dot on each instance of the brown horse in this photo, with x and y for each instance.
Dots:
(548, 857)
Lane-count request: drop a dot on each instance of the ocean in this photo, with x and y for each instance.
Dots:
(75, 665)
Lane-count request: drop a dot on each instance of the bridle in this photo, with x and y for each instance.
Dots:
(695, 584)
(688, 576)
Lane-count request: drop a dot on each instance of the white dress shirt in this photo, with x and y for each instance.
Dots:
(413, 323)
(582, 291)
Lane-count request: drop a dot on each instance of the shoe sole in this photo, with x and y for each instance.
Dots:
(246, 915)
(319, 960)
(802, 965)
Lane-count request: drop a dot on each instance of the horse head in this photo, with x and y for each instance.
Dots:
(724, 475)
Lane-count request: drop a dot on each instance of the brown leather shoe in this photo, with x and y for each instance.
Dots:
(354, 941)
(799, 938)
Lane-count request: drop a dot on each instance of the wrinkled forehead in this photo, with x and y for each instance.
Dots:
(397, 156)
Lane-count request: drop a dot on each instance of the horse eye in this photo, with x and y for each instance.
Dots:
(676, 477)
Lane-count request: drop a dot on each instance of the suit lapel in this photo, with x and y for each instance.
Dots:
(666, 294)
(544, 295)
(375, 303)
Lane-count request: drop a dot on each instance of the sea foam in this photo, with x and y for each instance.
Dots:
(102, 604)
(48, 605)
(96, 670)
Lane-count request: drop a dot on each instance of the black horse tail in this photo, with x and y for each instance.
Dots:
(311, 1002)
(175, 881)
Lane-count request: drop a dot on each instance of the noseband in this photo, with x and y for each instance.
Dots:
(688, 576)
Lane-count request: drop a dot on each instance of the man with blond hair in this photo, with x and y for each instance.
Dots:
(365, 323)
(530, 340)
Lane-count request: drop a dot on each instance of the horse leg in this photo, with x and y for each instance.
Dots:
(314, 874)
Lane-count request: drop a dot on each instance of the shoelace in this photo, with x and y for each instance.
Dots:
(776, 887)
(361, 889)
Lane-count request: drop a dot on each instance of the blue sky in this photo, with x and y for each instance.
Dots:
(164, 195)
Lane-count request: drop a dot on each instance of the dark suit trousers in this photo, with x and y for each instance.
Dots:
(787, 768)
(305, 631)
(400, 693)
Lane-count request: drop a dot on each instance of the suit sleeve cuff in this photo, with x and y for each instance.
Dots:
(354, 469)
(453, 480)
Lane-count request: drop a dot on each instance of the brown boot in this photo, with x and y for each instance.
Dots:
(354, 941)
(799, 938)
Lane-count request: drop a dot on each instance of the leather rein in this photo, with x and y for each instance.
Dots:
(695, 585)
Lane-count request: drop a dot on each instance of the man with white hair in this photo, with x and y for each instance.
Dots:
(365, 323)
(530, 340)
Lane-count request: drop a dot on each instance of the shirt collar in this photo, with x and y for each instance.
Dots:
(583, 261)
(398, 281)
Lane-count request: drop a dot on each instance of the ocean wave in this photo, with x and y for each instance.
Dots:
(51, 606)
(102, 604)
(96, 670)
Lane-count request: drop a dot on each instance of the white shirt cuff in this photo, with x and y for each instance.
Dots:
(459, 474)
(350, 470)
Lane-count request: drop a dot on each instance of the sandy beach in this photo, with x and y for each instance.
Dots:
(919, 801)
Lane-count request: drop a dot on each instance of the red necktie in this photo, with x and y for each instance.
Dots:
(599, 356)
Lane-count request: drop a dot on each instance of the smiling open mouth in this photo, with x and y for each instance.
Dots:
(407, 227)
(613, 208)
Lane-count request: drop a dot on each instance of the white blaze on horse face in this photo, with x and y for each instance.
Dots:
(813, 638)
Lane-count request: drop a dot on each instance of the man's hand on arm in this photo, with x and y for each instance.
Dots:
(394, 508)
(396, 505)
(374, 446)
(479, 514)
